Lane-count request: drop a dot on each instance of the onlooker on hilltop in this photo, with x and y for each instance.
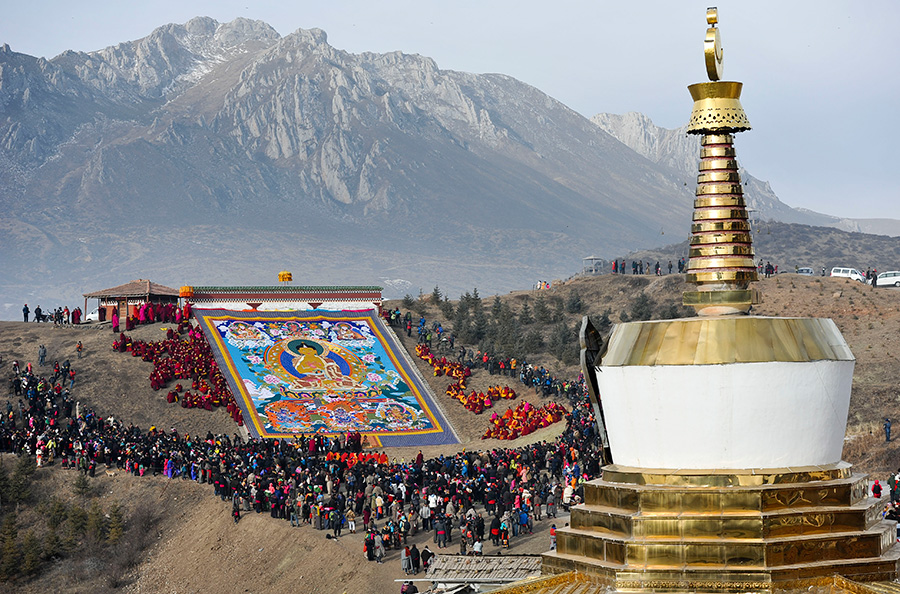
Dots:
(26, 311)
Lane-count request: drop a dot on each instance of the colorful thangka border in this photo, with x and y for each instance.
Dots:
(328, 372)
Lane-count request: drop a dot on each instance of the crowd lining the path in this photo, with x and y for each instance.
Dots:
(329, 483)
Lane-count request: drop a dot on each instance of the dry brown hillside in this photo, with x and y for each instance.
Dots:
(194, 546)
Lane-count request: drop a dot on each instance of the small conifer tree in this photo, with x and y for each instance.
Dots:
(525, 317)
(116, 524)
(9, 565)
(31, 554)
(642, 308)
(82, 486)
(542, 313)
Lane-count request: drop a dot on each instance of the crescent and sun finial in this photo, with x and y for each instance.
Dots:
(712, 47)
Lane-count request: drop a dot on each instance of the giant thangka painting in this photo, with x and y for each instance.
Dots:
(323, 372)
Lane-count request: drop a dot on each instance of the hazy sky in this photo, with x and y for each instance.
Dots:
(820, 78)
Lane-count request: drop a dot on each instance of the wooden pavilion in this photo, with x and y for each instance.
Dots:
(127, 298)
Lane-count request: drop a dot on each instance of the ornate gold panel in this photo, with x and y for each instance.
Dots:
(662, 555)
(859, 491)
(698, 528)
(743, 528)
(635, 556)
(720, 250)
(717, 151)
(719, 176)
(594, 548)
(650, 528)
(740, 501)
(717, 188)
(571, 544)
(629, 499)
(719, 213)
(615, 552)
(710, 226)
(702, 501)
(602, 522)
(709, 200)
(704, 554)
(703, 264)
(713, 238)
(715, 164)
(660, 501)
(601, 495)
(591, 493)
(745, 555)
(717, 139)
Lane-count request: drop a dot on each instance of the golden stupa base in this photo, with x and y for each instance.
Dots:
(644, 530)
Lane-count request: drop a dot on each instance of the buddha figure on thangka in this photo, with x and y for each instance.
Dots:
(320, 375)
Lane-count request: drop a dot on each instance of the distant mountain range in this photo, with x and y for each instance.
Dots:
(221, 153)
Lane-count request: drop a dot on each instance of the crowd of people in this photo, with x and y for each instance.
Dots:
(61, 316)
(641, 267)
(149, 313)
(328, 483)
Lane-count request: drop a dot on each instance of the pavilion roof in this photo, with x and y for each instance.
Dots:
(136, 288)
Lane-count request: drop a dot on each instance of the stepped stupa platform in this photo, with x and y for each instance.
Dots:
(718, 531)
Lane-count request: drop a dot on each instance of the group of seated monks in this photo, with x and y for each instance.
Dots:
(443, 366)
(351, 459)
(188, 359)
(478, 401)
(523, 420)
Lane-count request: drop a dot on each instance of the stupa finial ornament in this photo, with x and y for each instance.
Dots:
(712, 47)
(721, 255)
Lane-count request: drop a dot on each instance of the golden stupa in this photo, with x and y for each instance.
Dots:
(725, 430)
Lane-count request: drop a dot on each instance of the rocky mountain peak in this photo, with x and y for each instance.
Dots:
(312, 36)
(672, 148)
(170, 59)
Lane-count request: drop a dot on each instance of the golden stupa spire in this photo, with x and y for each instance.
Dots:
(721, 256)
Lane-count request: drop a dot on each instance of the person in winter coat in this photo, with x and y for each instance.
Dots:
(379, 549)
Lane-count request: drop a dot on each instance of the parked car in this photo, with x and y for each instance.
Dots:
(94, 316)
(848, 273)
(806, 272)
(890, 278)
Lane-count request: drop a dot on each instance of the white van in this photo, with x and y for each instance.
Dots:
(849, 273)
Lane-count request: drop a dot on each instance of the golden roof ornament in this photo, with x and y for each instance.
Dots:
(721, 252)
(712, 47)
